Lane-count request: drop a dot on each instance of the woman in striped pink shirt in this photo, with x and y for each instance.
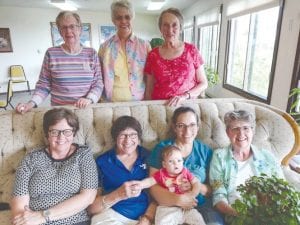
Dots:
(70, 73)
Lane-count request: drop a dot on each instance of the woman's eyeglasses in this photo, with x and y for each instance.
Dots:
(72, 27)
(56, 133)
(245, 129)
(182, 126)
(125, 17)
(130, 136)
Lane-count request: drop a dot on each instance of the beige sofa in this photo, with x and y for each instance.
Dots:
(275, 131)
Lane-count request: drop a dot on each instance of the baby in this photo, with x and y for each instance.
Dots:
(170, 176)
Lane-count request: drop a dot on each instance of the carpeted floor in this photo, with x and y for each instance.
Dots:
(22, 96)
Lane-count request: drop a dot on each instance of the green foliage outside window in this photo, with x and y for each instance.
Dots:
(295, 106)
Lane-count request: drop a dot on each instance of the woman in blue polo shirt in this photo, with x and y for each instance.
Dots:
(121, 200)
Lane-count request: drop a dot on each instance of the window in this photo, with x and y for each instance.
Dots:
(251, 53)
(188, 34)
(188, 30)
(208, 44)
(208, 26)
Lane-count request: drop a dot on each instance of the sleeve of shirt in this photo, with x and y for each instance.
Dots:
(149, 64)
(23, 175)
(189, 175)
(101, 54)
(100, 175)
(197, 58)
(216, 180)
(157, 176)
(202, 158)
(97, 83)
(43, 86)
(88, 169)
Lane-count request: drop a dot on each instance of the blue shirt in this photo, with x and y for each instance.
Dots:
(197, 161)
(112, 174)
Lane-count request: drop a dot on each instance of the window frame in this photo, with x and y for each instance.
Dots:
(189, 26)
(243, 92)
(199, 27)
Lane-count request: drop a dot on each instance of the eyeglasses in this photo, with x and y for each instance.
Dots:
(245, 129)
(182, 126)
(72, 27)
(131, 136)
(56, 133)
(125, 17)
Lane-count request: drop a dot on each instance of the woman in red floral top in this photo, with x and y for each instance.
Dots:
(175, 69)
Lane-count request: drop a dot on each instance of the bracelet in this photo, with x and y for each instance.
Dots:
(189, 94)
(147, 217)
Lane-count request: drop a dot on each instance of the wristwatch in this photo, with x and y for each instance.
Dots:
(46, 215)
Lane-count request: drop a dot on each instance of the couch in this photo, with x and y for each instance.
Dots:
(275, 131)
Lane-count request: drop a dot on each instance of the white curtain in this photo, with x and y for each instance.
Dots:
(234, 8)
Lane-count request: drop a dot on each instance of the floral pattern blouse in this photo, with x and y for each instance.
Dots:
(173, 76)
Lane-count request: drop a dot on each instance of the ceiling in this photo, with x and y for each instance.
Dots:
(140, 6)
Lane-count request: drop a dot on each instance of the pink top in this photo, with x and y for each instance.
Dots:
(172, 183)
(176, 76)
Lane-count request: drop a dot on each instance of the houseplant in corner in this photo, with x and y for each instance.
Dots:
(212, 76)
(266, 201)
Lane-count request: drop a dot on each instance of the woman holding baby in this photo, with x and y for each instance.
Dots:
(196, 156)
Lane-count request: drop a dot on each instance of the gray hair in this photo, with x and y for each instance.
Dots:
(239, 115)
(173, 11)
(64, 14)
(121, 4)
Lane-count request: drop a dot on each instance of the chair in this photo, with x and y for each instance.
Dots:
(17, 75)
(9, 95)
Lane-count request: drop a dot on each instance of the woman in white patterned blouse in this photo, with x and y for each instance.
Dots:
(54, 185)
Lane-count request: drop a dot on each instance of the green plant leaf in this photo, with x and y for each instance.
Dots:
(267, 201)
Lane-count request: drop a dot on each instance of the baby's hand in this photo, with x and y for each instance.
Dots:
(185, 185)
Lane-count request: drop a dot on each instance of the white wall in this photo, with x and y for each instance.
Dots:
(31, 36)
(286, 51)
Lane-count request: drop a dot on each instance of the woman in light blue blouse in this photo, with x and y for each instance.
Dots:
(233, 165)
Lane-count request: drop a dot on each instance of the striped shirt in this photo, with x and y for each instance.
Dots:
(68, 77)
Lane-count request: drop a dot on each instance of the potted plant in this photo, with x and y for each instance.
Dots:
(156, 42)
(212, 76)
(266, 201)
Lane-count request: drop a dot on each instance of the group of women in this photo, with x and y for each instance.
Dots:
(125, 69)
(58, 184)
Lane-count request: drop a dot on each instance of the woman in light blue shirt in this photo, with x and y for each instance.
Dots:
(233, 165)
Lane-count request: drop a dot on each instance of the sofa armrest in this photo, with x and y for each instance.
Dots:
(292, 177)
(296, 169)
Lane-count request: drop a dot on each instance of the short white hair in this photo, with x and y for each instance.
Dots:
(121, 4)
